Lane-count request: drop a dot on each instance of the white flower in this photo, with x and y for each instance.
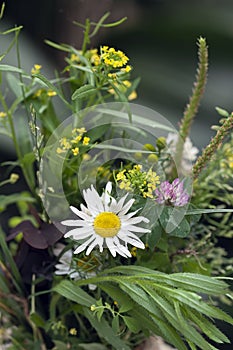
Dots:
(105, 221)
(75, 270)
(189, 152)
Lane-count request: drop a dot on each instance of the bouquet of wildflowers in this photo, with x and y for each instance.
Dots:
(114, 237)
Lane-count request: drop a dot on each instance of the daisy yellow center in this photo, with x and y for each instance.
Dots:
(107, 224)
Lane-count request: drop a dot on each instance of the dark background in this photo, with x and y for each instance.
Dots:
(160, 39)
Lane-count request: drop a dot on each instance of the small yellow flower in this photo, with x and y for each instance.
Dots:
(133, 252)
(112, 75)
(74, 57)
(86, 140)
(73, 331)
(86, 157)
(127, 69)
(93, 307)
(76, 139)
(3, 114)
(38, 93)
(75, 151)
(36, 69)
(51, 93)
(60, 150)
(65, 144)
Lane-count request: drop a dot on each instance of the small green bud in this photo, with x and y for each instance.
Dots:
(149, 147)
(161, 142)
(138, 155)
(13, 178)
(152, 158)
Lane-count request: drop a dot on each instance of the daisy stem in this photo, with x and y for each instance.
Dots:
(194, 101)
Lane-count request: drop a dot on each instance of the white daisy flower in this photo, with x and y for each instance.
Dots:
(104, 221)
(189, 154)
(76, 270)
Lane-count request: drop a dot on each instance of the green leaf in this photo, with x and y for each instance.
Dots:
(132, 323)
(37, 320)
(58, 46)
(206, 326)
(6, 200)
(124, 301)
(59, 345)
(116, 324)
(92, 346)
(17, 281)
(72, 292)
(84, 92)
(222, 112)
(14, 84)
(51, 86)
(105, 331)
(7, 68)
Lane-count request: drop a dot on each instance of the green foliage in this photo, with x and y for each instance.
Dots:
(103, 301)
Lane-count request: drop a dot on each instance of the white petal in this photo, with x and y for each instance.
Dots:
(136, 229)
(106, 196)
(110, 245)
(77, 223)
(116, 207)
(84, 245)
(93, 200)
(135, 220)
(126, 207)
(91, 246)
(81, 214)
(136, 243)
(79, 233)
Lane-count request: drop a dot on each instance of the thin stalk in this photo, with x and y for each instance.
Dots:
(16, 145)
(214, 144)
(194, 101)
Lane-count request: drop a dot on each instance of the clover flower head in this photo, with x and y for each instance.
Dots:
(172, 193)
(106, 222)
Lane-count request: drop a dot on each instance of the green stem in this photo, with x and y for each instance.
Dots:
(215, 142)
(86, 39)
(194, 101)
(16, 145)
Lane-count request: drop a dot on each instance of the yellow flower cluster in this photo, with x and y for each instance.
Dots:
(73, 143)
(113, 58)
(123, 87)
(43, 92)
(91, 55)
(141, 182)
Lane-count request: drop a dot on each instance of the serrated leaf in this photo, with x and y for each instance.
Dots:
(207, 327)
(105, 331)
